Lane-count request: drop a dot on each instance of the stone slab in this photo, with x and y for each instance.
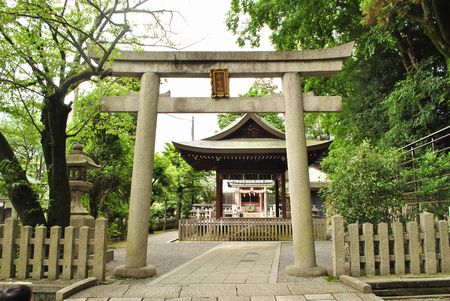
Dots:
(262, 298)
(263, 289)
(347, 297)
(291, 298)
(319, 288)
(319, 297)
(208, 290)
(153, 291)
(233, 298)
(369, 297)
(102, 291)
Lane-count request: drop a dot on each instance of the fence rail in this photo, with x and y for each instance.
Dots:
(40, 254)
(398, 250)
(243, 229)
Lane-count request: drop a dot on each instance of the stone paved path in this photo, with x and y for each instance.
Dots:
(234, 271)
(234, 263)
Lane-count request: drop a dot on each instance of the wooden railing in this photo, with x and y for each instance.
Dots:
(243, 229)
(32, 253)
(398, 250)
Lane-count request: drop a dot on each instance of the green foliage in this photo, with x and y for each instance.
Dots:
(418, 105)
(260, 88)
(432, 172)
(190, 186)
(365, 183)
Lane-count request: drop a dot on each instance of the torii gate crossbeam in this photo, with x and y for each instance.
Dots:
(289, 65)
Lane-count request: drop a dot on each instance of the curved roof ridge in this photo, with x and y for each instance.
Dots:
(235, 125)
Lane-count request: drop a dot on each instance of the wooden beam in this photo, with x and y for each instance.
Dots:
(270, 104)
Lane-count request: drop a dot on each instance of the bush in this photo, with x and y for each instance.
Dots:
(365, 183)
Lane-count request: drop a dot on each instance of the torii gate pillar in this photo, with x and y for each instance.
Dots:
(302, 224)
(141, 182)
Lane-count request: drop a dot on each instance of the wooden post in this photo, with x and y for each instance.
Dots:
(10, 233)
(283, 195)
(277, 196)
(337, 236)
(219, 195)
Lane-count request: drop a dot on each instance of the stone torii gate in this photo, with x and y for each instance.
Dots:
(289, 65)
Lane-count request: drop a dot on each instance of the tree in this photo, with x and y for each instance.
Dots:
(430, 15)
(44, 49)
(260, 88)
(365, 184)
(190, 185)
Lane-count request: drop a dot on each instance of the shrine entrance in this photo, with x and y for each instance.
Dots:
(289, 65)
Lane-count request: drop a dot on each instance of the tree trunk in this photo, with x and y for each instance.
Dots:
(20, 193)
(54, 117)
(179, 202)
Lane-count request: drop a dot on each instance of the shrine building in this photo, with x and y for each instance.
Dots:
(249, 158)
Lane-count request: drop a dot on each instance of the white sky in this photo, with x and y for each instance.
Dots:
(202, 23)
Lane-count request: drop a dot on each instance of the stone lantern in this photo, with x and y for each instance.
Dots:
(78, 164)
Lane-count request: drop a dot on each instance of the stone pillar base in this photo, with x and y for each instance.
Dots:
(297, 271)
(139, 272)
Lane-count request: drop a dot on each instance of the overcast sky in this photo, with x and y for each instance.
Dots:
(203, 25)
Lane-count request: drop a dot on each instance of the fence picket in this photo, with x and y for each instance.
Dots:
(399, 248)
(38, 255)
(54, 253)
(443, 246)
(369, 249)
(355, 264)
(429, 241)
(413, 247)
(9, 248)
(384, 249)
(23, 268)
(82, 252)
(337, 236)
(69, 239)
(99, 264)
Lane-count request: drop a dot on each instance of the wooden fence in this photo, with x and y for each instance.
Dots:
(244, 229)
(398, 250)
(32, 253)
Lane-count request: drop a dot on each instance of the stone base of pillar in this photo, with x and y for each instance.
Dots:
(140, 272)
(297, 271)
(78, 221)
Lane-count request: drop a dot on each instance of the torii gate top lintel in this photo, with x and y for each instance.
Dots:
(169, 64)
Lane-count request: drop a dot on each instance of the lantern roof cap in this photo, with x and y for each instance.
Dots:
(77, 158)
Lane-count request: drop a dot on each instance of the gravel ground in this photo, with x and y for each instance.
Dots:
(323, 258)
(166, 256)
(161, 253)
